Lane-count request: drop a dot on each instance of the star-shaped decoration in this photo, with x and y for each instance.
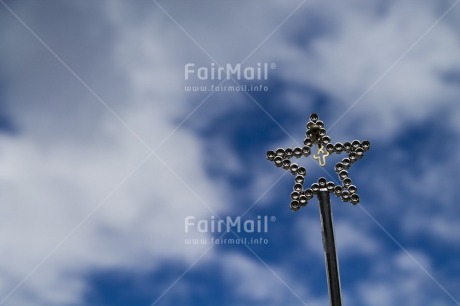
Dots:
(316, 135)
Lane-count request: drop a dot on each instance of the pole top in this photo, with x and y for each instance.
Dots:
(316, 136)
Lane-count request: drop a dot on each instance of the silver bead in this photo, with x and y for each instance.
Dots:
(280, 152)
(308, 193)
(297, 152)
(338, 147)
(345, 196)
(314, 117)
(359, 153)
(271, 155)
(302, 171)
(352, 157)
(354, 199)
(339, 167)
(352, 189)
(343, 174)
(295, 195)
(315, 188)
(366, 145)
(295, 205)
(293, 168)
(298, 187)
(303, 200)
(322, 182)
(278, 161)
(286, 164)
(338, 190)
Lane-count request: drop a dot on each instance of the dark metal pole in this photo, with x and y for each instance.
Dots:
(316, 135)
(332, 268)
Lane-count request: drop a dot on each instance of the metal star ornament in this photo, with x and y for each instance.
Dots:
(316, 136)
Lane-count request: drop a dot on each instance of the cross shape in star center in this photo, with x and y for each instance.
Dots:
(320, 156)
(316, 135)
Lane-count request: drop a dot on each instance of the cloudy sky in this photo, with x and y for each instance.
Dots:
(106, 151)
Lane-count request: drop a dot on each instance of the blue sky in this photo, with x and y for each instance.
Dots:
(104, 153)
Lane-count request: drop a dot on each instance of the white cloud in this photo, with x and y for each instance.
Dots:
(253, 281)
(398, 280)
(66, 160)
(353, 241)
(348, 62)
